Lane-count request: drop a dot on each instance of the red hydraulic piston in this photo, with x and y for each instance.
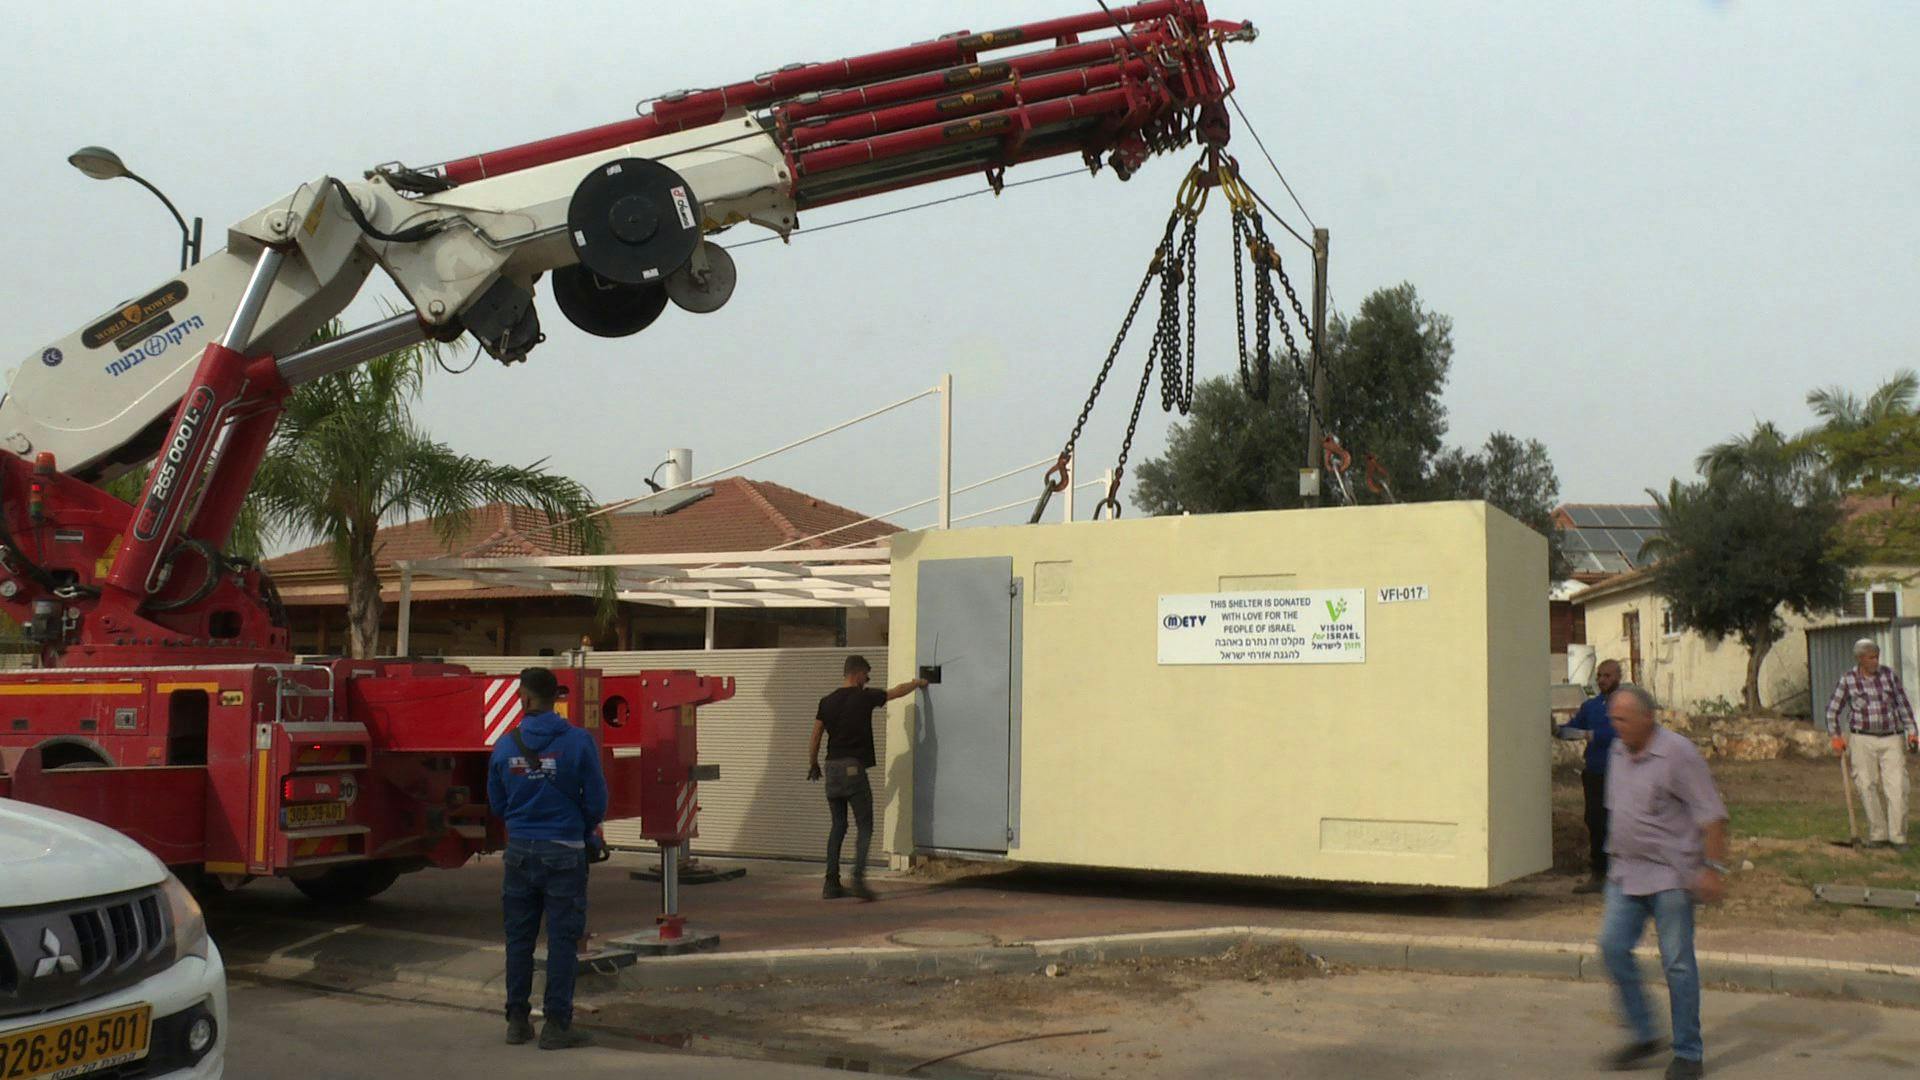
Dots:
(992, 125)
(708, 106)
(965, 103)
(222, 382)
(912, 88)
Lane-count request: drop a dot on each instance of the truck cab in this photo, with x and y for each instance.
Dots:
(105, 963)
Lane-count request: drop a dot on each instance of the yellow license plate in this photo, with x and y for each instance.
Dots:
(76, 1047)
(311, 814)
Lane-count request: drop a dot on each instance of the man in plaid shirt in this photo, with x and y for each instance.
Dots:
(1878, 734)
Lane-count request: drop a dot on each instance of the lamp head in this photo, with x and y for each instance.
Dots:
(98, 162)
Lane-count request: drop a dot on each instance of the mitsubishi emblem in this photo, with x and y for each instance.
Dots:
(56, 958)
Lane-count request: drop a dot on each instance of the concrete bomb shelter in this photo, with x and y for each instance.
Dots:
(1355, 694)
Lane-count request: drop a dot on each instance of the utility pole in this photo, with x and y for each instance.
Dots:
(1310, 476)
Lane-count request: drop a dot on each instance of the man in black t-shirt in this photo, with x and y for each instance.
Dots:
(845, 717)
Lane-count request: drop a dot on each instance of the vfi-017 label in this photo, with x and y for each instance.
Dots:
(136, 319)
(1314, 626)
(171, 470)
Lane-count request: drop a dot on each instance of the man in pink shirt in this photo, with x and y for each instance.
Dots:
(1666, 852)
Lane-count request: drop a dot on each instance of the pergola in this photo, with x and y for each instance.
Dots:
(847, 577)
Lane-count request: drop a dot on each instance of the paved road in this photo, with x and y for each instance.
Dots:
(284, 1033)
(1377, 1025)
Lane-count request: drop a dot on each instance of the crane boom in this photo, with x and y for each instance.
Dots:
(192, 373)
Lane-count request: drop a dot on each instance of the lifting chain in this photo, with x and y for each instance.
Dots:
(1250, 230)
(1058, 476)
(1176, 385)
(1256, 369)
(1172, 351)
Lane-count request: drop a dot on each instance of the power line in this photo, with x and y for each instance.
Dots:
(1257, 141)
(916, 206)
(1128, 38)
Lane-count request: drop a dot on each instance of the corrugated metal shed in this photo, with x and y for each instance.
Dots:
(1830, 654)
(763, 804)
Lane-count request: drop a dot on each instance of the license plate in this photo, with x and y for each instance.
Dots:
(308, 815)
(76, 1047)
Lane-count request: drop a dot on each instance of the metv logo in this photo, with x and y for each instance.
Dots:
(1183, 622)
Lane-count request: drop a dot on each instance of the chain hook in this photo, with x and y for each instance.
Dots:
(1379, 481)
(1057, 479)
(1110, 504)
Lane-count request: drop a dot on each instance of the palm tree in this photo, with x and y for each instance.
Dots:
(1765, 452)
(1839, 410)
(1864, 442)
(348, 458)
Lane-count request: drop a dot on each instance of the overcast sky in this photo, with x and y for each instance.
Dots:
(1652, 223)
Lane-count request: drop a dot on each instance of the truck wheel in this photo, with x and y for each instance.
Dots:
(351, 883)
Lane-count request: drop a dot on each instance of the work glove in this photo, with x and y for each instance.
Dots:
(813, 771)
(1839, 745)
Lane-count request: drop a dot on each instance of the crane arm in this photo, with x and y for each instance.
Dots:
(613, 219)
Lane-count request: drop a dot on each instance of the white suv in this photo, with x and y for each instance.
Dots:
(106, 970)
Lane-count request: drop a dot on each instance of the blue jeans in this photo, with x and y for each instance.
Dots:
(857, 797)
(1620, 928)
(543, 876)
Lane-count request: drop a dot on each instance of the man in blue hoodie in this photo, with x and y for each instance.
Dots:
(1591, 723)
(544, 779)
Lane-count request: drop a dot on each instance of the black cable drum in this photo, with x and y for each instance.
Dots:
(633, 221)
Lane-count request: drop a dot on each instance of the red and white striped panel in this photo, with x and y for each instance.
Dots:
(501, 702)
(686, 808)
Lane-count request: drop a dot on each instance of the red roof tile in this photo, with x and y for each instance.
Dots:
(739, 515)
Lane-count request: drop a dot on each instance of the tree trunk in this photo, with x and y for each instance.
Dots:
(1756, 655)
(364, 609)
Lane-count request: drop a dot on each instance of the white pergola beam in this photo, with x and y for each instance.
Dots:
(808, 578)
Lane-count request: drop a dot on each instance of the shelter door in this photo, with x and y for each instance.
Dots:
(966, 626)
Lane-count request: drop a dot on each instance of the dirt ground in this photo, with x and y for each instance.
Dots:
(1786, 817)
(879, 1024)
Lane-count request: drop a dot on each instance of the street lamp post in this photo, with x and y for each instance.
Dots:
(103, 164)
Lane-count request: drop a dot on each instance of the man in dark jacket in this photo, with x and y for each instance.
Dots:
(544, 779)
(1591, 723)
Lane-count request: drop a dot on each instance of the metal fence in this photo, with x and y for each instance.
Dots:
(1830, 654)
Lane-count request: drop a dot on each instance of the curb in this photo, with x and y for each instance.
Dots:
(1881, 983)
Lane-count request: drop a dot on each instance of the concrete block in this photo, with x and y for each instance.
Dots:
(1882, 986)
(1136, 946)
(1468, 811)
(1808, 979)
(1737, 974)
(1373, 954)
(1478, 960)
(983, 961)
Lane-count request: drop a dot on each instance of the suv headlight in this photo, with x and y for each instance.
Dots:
(189, 924)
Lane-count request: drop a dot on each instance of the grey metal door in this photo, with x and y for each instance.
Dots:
(966, 622)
